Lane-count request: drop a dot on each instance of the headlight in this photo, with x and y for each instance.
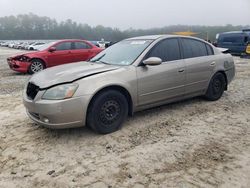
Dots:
(64, 91)
(22, 58)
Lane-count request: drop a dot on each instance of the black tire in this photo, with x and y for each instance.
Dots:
(36, 66)
(107, 112)
(216, 87)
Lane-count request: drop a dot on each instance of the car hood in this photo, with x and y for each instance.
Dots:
(69, 73)
(29, 54)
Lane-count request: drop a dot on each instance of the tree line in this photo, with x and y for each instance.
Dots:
(31, 26)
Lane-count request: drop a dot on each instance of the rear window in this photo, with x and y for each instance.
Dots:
(194, 48)
(81, 45)
(210, 50)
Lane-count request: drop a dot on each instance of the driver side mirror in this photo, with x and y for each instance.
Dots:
(152, 61)
(52, 49)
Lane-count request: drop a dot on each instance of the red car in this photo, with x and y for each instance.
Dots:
(52, 54)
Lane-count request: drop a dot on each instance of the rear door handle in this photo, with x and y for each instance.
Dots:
(181, 70)
(212, 64)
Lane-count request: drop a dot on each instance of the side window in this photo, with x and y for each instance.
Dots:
(81, 45)
(194, 48)
(63, 46)
(236, 38)
(210, 50)
(167, 50)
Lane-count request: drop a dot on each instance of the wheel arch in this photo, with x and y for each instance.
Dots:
(44, 62)
(119, 88)
(225, 76)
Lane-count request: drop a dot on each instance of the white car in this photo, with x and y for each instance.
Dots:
(26, 47)
(11, 44)
(101, 44)
(35, 45)
(5, 44)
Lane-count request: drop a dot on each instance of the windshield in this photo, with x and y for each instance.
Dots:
(122, 53)
(45, 46)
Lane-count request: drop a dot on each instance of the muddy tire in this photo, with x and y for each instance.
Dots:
(107, 112)
(216, 87)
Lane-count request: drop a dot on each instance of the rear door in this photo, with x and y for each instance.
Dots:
(82, 51)
(199, 63)
(164, 81)
(62, 55)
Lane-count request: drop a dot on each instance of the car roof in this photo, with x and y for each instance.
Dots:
(155, 37)
(235, 32)
(70, 40)
(146, 37)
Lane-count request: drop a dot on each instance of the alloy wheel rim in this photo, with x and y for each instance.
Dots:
(36, 66)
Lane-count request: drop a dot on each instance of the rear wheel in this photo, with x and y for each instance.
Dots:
(107, 112)
(216, 87)
(36, 66)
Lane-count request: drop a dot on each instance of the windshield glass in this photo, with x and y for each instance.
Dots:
(45, 46)
(122, 53)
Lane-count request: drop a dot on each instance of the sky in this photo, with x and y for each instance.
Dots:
(139, 14)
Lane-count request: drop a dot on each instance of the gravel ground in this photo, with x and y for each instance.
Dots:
(194, 143)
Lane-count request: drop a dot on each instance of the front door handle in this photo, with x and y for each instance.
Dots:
(181, 70)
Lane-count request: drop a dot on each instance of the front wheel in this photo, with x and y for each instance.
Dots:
(216, 87)
(36, 66)
(107, 112)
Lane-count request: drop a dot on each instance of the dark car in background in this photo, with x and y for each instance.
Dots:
(52, 54)
(236, 41)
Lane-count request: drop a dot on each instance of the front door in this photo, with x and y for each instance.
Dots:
(62, 54)
(164, 81)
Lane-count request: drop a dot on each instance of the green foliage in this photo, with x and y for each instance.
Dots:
(31, 26)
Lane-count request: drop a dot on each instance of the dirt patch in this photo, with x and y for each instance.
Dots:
(208, 156)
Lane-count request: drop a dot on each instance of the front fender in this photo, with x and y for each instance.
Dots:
(124, 78)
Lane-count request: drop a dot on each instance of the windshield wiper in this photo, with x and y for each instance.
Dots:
(98, 59)
(103, 62)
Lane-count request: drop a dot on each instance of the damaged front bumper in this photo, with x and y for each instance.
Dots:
(19, 66)
(57, 114)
